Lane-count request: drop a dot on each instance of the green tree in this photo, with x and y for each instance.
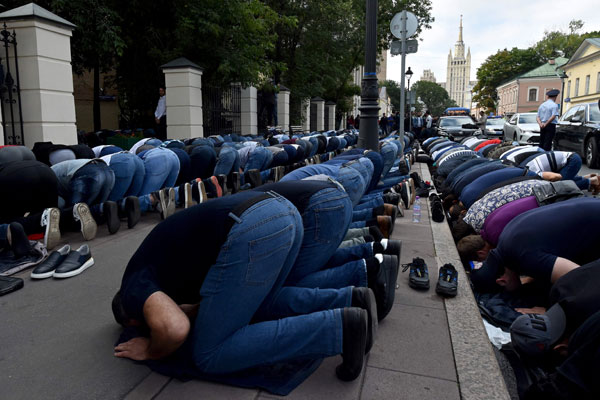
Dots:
(500, 67)
(561, 43)
(434, 96)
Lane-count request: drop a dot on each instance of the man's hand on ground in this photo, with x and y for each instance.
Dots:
(136, 349)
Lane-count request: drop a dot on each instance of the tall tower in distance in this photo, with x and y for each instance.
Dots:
(459, 72)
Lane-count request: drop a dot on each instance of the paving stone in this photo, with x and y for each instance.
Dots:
(324, 385)
(414, 339)
(204, 390)
(420, 232)
(149, 387)
(382, 384)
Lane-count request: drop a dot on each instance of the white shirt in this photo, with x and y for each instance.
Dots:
(161, 108)
(429, 121)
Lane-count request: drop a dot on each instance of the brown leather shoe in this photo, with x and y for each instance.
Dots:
(386, 225)
(391, 211)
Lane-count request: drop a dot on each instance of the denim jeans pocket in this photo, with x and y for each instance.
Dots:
(267, 255)
(327, 222)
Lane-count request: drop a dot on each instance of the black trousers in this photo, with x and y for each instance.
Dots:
(161, 128)
(547, 136)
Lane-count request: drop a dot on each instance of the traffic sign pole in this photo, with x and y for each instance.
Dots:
(402, 88)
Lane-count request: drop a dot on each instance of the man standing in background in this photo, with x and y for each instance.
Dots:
(547, 118)
(160, 115)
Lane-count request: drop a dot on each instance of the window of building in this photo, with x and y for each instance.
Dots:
(576, 87)
(587, 84)
(533, 94)
(569, 88)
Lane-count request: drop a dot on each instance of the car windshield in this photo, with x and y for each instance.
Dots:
(527, 118)
(495, 121)
(594, 113)
(459, 121)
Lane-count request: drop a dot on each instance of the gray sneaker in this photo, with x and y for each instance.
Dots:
(166, 202)
(81, 213)
(51, 220)
(187, 190)
(75, 263)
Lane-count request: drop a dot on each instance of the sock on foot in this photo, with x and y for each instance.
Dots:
(384, 243)
(377, 248)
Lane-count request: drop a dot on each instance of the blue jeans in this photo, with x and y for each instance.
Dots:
(129, 175)
(325, 220)
(389, 152)
(369, 203)
(91, 184)
(348, 254)
(352, 182)
(279, 158)
(244, 280)
(162, 167)
(227, 162)
(362, 215)
(203, 161)
(259, 158)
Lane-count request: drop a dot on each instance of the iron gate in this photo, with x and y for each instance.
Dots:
(313, 117)
(10, 90)
(222, 112)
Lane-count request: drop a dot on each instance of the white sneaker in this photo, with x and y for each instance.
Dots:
(81, 213)
(51, 220)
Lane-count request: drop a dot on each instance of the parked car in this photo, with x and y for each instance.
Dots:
(456, 127)
(578, 130)
(522, 128)
(494, 128)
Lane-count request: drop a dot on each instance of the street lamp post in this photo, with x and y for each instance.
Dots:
(369, 107)
(409, 74)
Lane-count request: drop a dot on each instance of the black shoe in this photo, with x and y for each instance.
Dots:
(46, 269)
(223, 182)
(376, 233)
(391, 198)
(253, 178)
(437, 211)
(384, 285)
(365, 298)
(403, 191)
(19, 242)
(132, 211)
(419, 275)
(354, 331)
(447, 281)
(417, 179)
(75, 263)
(233, 182)
(394, 248)
(111, 213)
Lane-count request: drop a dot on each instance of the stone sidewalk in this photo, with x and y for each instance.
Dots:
(57, 337)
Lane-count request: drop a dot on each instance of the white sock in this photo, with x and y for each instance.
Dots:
(379, 258)
(384, 243)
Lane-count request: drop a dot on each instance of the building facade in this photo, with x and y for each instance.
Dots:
(527, 91)
(458, 75)
(428, 76)
(582, 84)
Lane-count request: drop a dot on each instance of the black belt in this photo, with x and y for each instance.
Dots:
(237, 212)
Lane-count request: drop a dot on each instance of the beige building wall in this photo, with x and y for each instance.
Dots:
(582, 84)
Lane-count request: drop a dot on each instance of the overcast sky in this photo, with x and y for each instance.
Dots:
(489, 26)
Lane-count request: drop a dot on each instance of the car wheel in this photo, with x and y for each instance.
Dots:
(514, 139)
(591, 153)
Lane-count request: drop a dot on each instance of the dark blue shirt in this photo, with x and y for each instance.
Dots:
(532, 241)
(473, 173)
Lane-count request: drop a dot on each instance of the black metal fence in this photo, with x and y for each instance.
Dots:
(221, 108)
(10, 90)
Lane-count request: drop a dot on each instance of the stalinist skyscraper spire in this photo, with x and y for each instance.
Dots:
(459, 71)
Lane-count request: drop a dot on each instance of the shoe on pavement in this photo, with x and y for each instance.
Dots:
(163, 203)
(110, 209)
(234, 182)
(394, 248)
(188, 200)
(218, 189)
(354, 331)
(46, 269)
(75, 263)
(384, 284)
(447, 281)
(253, 178)
(390, 211)
(364, 298)
(132, 211)
(202, 191)
(81, 213)
(437, 211)
(223, 183)
(385, 225)
(419, 275)
(51, 220)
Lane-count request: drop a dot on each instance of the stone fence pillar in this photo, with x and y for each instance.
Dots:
(45, 74)
(283, 108)
(183, 83)
(249, 111)
(320, 113)
(331, 114)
